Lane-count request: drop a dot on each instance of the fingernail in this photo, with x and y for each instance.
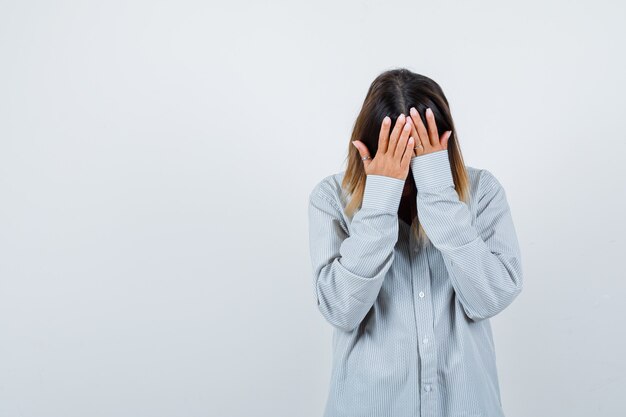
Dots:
(428, 110)
(413, 111)
(354, 143)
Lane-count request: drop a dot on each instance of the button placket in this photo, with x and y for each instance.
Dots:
(427, 349)
(427, 355)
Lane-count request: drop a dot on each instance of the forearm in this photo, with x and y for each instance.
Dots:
(485, 269)
(349, 270)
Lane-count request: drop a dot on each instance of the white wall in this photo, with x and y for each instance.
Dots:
(155, 163)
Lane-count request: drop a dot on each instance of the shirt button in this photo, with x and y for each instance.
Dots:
(421, 294)
(427, 387)
(425, 340)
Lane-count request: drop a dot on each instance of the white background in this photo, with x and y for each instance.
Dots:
(155, 163)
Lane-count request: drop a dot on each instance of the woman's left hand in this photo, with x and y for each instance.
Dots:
(428, 138)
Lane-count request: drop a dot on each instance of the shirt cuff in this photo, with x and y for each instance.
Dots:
(382, 193)
(432, 171)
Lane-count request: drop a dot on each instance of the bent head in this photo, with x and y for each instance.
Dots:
(392, 93)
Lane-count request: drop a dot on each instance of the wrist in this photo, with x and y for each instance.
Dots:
(432, 170)
(382, 193)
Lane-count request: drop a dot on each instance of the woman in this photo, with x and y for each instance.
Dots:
(412, 253)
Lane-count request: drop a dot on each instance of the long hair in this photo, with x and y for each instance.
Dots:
(394, 92)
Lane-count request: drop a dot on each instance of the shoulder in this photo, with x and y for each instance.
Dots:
(483, 182)
(482, 178)
(329, 188)
(486, 191)
(327, 197)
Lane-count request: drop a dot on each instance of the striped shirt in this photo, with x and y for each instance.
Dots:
(412, 335)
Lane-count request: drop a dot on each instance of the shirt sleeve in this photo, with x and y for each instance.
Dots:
(349, 267)
(483, 260)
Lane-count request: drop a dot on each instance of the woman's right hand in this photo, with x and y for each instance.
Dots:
(395, 151)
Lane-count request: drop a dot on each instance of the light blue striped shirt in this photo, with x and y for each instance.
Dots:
(412, 335)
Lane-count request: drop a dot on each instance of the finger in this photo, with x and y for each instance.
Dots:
(415, 137)
(383, 135)
(418, 147)
(444, 139)
(432, 127)
(408, 153)
(363, 151)
(395, 133)
(404, 137)
(422, 133)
